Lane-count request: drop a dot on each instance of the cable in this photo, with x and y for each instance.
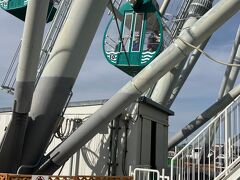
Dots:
(12, 79)
(11, 72)
(207, 55)
(175, 19)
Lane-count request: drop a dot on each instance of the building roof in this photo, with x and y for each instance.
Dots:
(87, 103)
(71, 104)
(5, 109)
(152, 103)
(102, 101)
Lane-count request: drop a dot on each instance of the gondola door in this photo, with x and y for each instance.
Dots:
(125, 38)
(137, 39)
(131, 43)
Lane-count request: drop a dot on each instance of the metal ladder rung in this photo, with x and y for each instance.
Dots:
(117, 3)
(9, 90)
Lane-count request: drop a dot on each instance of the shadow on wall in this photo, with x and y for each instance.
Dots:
(97, 161)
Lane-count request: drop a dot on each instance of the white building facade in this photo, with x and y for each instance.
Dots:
(126, 141)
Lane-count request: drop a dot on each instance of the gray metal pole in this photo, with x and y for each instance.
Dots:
(231, 59)
(204, 117)
(11, 146)
(115, 129)
(71, 166)
(29, 54)
(168, 59)
(162, 90)
(77, 162)
(234, 72)
(164, 87)
(164, 6)
(59, 75)
(185, 73)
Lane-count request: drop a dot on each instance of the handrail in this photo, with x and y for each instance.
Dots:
(220, 139)
(212, 122)
(148, 174)
(221, 175)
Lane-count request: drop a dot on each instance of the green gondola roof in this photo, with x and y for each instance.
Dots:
(18, 8)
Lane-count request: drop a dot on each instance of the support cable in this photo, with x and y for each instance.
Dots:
(207, 55)
(12, 79)
(12, 63)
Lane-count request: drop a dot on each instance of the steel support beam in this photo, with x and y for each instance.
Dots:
(162, 90)
(234, 73)
(185, 73)
(59, 75)
(29, 54)
(164, 87)
(164, 6)
(11, 146)
(168, 59)
(230, 61)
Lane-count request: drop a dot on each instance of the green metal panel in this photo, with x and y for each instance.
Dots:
(13, 4)
(18, 8)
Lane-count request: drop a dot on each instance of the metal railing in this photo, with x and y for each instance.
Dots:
(213, 151)
(29, 177)
(148, 174)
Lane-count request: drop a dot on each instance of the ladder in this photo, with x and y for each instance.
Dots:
(215, 152)
(56, 25)
(116, 4)
(51, 37)
(180, 18)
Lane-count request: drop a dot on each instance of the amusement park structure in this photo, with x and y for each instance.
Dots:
(44, 132)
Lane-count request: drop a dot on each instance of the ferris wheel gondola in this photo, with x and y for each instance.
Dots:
(134, 42)
(18, 8)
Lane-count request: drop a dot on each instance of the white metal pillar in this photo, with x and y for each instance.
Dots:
(185, 73)
(231, 61)
(11, 147)
(164, 6)
(36, 16)
(164, 87)
(234, 72)
(59, 75)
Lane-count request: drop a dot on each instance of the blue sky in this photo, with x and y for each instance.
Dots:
(100, 80)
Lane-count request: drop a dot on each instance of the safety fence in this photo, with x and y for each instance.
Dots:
(29, 177)
(214, 151)
(148, 174)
